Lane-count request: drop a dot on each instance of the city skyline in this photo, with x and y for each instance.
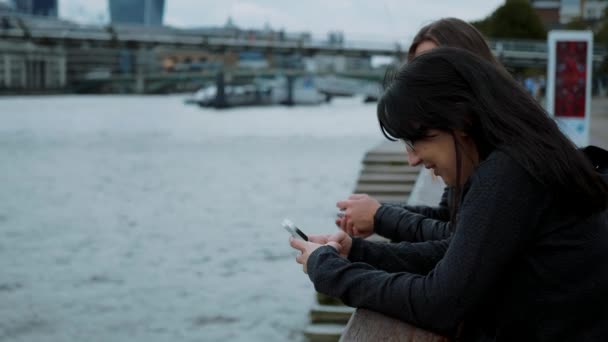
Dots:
(359, 19)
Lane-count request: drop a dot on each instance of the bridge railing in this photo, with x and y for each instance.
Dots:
(531, 46)
(44, 28)
(365, 325)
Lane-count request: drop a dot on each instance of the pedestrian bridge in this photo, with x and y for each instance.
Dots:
(58, 32)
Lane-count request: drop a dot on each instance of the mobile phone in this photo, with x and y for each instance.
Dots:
(293, 230)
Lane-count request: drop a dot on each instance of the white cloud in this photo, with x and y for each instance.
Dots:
(249, 14)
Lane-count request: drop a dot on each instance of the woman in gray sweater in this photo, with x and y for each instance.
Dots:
(528, 256)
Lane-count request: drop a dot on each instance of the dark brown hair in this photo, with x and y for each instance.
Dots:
(453, 32)
(456, 33)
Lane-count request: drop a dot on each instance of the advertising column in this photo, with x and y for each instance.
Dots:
(569, 73)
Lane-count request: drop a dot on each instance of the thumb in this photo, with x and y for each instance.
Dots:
(338, 237)
(298, 244)
(335, 245)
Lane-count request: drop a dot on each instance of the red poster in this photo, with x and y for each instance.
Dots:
(570, 79)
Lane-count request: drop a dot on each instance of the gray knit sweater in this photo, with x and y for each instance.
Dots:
(516, 267)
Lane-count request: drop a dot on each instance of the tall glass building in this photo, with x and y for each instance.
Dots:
(46, 8)
(142, 12)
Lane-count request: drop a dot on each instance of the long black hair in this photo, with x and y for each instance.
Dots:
(452, 89)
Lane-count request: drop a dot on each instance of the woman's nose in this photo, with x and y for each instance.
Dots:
(412, 157)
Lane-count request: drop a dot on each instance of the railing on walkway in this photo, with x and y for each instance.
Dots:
(366, 325)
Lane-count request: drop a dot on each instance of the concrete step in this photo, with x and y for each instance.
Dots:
(384, 189)
(338, 314)
(392, 159)
(387, 178)
(327, 300)
(392, 198)
(324, 332)
(390, 169)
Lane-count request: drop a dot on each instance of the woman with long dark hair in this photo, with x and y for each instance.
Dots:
(528, 259)
(364, 215)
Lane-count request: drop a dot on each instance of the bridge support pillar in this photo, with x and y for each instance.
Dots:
(290, 81)
(220, 93)
(140, 64)
(7, 71)
(140, 86)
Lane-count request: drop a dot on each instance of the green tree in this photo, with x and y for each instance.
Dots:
(601, 39)
(578, 23)
(601, 36)
(514, 19)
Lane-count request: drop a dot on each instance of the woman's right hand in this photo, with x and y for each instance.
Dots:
(358, 218)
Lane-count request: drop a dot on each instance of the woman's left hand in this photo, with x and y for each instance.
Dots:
(307, 247)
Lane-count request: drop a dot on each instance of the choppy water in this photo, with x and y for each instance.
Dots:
(126, 218)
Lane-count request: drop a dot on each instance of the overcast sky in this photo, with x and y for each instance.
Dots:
(359, 19)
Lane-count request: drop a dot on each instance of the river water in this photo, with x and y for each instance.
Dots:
(131, 218)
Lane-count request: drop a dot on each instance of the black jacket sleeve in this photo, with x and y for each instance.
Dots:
(441, 212)
(399, 224)
(417, 258)
(497, 220)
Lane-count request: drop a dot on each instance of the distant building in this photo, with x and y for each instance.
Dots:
(6, 7)
(47, 8)
(554, 13)
(569, 10)
(548, 11)
(593, 10)
(27, 66)
(138, 12)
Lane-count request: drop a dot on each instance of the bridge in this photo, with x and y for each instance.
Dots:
(51, 31)
(95, 56)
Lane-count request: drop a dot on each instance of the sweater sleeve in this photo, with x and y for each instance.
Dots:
(496, 221)
(441, 212)
(399, 224)
(417, 258)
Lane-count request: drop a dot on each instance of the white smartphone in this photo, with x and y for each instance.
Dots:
(293, 230)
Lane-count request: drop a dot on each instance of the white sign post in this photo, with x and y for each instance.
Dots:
(568, 90)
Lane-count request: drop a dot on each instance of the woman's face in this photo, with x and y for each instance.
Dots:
(437, 152)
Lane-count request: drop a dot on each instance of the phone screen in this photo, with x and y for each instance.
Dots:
(294, 231)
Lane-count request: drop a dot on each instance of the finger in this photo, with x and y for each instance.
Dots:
(357, 196)
(337, 237)
(297, 244)
(320, 239)
(344, 223)
(300, 259)
(350, 227)
(338, 222)
(343, 204)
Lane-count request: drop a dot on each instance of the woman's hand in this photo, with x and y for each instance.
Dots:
(359, 211)
(340, 241)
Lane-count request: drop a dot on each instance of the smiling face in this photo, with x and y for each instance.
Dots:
(437, 152)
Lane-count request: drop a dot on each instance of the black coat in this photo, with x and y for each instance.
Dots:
(516, 268)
